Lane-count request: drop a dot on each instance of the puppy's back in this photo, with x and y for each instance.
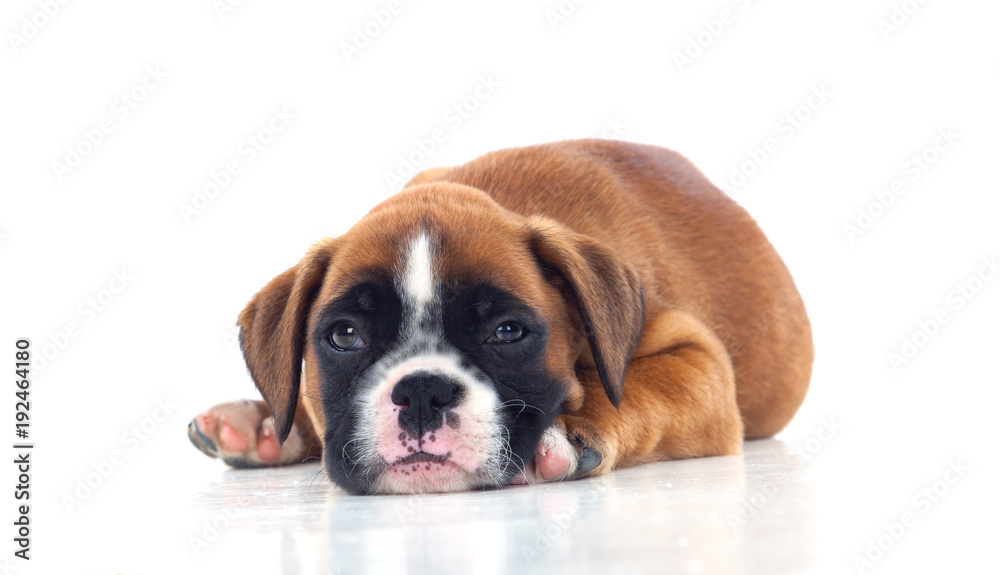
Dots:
(694, 247)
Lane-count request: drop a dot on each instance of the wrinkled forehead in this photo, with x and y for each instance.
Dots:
(427, 266)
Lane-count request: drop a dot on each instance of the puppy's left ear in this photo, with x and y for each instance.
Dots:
(608, 294)
(273, 333)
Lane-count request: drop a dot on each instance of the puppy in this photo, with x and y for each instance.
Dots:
(538, 314)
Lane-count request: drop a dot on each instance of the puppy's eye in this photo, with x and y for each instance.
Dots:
(508, 332)
(344, 337)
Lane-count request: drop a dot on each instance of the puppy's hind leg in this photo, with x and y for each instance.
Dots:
(241, 434)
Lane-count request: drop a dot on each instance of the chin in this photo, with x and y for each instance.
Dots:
(425, 478)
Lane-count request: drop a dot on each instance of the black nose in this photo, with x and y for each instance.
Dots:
(423, 398)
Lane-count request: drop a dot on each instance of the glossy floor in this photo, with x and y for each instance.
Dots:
(822, 499)
(694, 516)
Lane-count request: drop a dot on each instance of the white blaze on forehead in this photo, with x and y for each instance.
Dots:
(419, 280)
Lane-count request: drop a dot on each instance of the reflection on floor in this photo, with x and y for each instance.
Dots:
(753, 513)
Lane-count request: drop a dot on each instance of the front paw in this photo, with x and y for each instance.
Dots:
(568, 450)
(241, 433)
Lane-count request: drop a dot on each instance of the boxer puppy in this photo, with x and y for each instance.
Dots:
(540, 313)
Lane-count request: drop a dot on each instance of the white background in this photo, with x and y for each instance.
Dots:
(169, 334)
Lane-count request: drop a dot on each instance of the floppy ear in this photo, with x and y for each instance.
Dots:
(272, 334)
(608, 294)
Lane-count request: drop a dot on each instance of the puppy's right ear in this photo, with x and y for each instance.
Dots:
(272, 333)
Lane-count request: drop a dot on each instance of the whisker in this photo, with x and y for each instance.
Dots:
(513, 402)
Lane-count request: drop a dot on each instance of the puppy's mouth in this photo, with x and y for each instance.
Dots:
(423, 472)
(423, 463)
(422, 457)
